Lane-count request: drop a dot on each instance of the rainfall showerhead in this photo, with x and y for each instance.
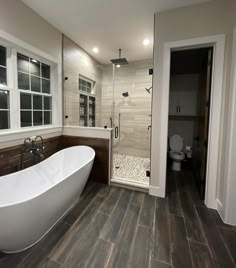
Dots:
(125, 94)
(119, 61)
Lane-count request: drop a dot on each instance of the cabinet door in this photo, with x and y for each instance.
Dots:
(173, 103)
(187, 103)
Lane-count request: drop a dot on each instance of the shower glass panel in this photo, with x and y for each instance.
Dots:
(131, 121)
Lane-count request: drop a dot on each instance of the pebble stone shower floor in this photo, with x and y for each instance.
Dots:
(131, 168)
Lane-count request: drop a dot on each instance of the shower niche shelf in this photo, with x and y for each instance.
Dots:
(87, 110)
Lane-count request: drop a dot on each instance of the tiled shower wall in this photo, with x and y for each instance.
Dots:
(135, 110)
(77, 62)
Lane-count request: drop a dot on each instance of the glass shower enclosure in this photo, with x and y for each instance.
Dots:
(130, 117)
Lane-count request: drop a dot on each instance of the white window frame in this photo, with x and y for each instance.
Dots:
(93, 83)
(7, 87)
(14, 46)
(32, 93)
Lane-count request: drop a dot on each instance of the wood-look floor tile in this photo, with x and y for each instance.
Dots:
(183, 180)
(100, 254)
(137, 198)
(173, 198)
(40, 252)
(201, 256)
(161, 249)
(61, 252)
(111, 201)
(141, 249)
(80, 253)
(192, 223)
(215, 242)
(180, 249)
(147, 212)
(88, 195)
(218, 220)
(13, 260)
(114, 223)
(121, 255)
(229, 236)
(157, 264)
(49, 264)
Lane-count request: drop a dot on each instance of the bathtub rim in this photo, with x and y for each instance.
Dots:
(70, 174)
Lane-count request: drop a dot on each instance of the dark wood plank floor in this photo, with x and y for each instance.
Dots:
(113, 227)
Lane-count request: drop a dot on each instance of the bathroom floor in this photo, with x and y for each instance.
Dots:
(114, 227)
(131, 168)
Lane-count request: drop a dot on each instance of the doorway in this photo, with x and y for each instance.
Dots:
(189, 115)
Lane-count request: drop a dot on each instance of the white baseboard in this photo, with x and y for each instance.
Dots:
(156, 191)
(219, 206)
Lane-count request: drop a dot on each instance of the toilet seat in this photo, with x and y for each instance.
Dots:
(177, 155)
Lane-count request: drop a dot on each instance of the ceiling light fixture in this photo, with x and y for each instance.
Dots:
(118, 65)
(34, 60)
(146, 42)
(95, 50)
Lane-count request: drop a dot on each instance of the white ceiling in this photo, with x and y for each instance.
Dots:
(107, 24)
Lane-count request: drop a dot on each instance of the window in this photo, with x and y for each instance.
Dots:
(87, 102)
(86, 85)
(29, 88)
(4, 91)
(35, 92)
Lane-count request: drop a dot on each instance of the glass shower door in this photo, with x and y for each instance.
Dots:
(131, 114)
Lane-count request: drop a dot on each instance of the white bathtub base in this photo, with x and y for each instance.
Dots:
(17, 251)
(31, 213)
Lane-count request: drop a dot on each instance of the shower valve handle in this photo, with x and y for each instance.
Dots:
(116, 132)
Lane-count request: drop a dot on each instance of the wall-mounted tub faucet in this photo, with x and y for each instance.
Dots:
(33, 145)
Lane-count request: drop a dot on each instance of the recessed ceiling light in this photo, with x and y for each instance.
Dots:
(118, 65)
(146, 42)
(95, 50)
(34, 60)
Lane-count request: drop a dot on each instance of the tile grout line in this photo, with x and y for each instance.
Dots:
(112, 212)
(121, 223)
(136, 229)
(169, 229)
(150, 257)
(184, 220)
(98, 211)
(121, 191)
(109, 257)
(225, 244)
(168, 216)
(207, 243)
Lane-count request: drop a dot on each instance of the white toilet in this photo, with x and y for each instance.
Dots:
(176, 154)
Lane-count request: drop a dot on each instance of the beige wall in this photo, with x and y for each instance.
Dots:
(207, 19)
(134, 110)
(19, 20)
(78, 62)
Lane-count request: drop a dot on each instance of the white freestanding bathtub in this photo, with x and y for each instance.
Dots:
(33, 200)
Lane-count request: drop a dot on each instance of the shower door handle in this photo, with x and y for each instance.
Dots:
(116, 132)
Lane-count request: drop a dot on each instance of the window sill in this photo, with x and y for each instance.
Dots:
(16, 137)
